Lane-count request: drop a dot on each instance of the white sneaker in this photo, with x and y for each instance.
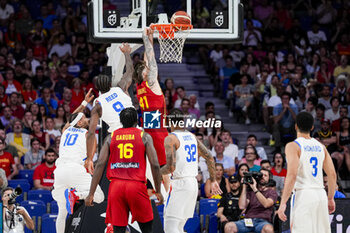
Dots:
(244, 109)
(247, 121)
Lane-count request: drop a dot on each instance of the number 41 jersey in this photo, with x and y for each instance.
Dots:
(112, 103)
(310, 173)
(186, 155)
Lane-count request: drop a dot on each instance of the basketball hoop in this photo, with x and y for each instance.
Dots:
(171, 39)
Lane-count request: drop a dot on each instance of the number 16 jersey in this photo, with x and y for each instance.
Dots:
(310, 173)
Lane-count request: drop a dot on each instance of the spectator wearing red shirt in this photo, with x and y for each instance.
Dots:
(28, 92)
(67, 100)
(7, 163)
(39, 134)
(278, 165)
(77, 91)
(10, 84)
(343, 112)
(44, 174)
(16, 108)
(86, 83)
(39, 51)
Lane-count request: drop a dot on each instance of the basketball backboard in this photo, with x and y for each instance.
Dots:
(115, 21)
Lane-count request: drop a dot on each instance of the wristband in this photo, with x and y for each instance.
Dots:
(256, 191)
(84, 103)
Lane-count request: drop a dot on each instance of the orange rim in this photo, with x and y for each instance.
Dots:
(167, 31)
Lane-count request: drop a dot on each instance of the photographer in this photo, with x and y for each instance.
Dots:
(228, 210)
(258, 201)
(14, 217)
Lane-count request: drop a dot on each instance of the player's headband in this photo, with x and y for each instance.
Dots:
(78, 118)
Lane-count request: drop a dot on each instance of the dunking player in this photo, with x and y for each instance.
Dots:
(70, 172)
(125, 151)
(182, 149)
(109, 104)
(306, 158)
(151, 97)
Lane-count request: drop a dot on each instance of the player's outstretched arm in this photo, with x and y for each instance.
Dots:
(205, 153)
(126, 80)
(328, 167)
(293, 157)
(153, 160)
(101, 163)
(96, 113)
(88, 97)
(170, 145)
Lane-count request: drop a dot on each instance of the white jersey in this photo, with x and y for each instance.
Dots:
(310, 164)
(73, 146)
(112, 103)
(186, 155)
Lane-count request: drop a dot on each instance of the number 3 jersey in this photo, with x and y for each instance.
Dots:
(186, 155)
(127, 159)
(72, 146)
(112, 103)
(310, 174)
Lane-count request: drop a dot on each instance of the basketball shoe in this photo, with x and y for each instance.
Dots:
(71, 199)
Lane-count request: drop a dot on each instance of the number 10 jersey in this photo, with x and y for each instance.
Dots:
(310, 173)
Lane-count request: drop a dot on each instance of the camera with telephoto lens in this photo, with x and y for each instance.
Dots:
(14, 195)
(248, 177)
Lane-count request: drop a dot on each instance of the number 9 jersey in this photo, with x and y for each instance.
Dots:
(310, 164)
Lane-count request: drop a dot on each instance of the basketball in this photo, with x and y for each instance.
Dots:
(180, 17)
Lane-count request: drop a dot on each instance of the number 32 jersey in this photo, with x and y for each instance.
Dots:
(310, 173)
(72, 146)
(112, 103)
(186, 155)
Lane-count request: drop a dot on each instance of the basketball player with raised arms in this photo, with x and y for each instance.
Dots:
(306, 157)
(126, 150)
(151, 98)
(182, 150)
(72, 182)
(109, 104)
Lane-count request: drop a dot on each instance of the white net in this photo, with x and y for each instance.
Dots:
(171, 42)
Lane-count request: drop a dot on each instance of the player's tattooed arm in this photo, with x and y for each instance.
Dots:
(101, 163)
(205, 153)
(152, 63)
(170, 150)
(126, 80)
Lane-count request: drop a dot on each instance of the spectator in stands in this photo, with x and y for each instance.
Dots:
(320, 110)
(28, 92)
(18, 139)
(27, 122)
(244, 97)
(316, 36)
(43, 176)
(40, 135)
(15, 217)
(342, 157)
(62, 49)
(259, 205)
(337, 194)
(55, 83)
(284, 118)
(343, 68)
(226, 161)
(332, 114)
(193, 109)
(326, 136)
(231, 150)
(16, 108)
(242, 168)
(209, 107)
(7, 163)
(64, 75)
(10, 84)
(34, 156)
(6, 118)
(6, 12)
(251, 158)
(252, 140)
(323, 75)
(3, 179)
(50, 130)
(67, 99)
(220, 178)
(226, 72)
(60, 118)
(266, 164)
(341, 88)
(343, 112)
(46, 100)
(215, 134)
(251, 36)
(228, 208)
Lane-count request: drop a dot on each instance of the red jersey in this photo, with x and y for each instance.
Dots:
(6, 162)
(127, 158)
(44, 174)
(282, 173)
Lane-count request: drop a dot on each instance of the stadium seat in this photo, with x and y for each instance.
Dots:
(43, 195)
(34, 208)
(193, 225)
(23, 183)
(54, 207)
(213, 223)
(26, 174)
(48, 224)
(206, 208)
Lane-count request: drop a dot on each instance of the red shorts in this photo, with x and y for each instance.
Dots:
(158, 142)
(126, 196)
